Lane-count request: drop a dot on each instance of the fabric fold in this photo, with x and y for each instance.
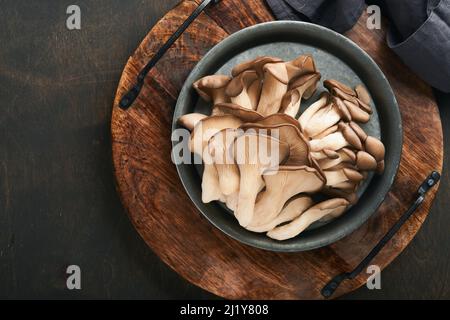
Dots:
(419, 30)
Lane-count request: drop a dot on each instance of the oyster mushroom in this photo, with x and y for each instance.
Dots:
(335, 178)
(190, 120)
(298, 146)
(248, 156)
(294, 208)
(316, 106)
(329, 207)
(363, 94)
(244, 90)
(344, 155)
(246, 115)
(281, 186)
(255, 65)
(302, 65)
(274, 88)
(303, 87)
(212, 88)
(203, 131)
(322, 120)
(374, 149)
(351, 98)
(334, 141)
(221, 153)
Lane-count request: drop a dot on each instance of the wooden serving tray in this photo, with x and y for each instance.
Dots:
(169, 223)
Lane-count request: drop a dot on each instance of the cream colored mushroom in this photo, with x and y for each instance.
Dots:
(248, 155)
(221, 152)
(294, 208)
(309, 112)
(203, 131)
(190, 120)
(280, 187)
(244, 90)
(329, 207)
(212, 88)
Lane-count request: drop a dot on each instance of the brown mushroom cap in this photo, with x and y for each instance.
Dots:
(359, 131)
(344, 111)
(365, 162)
(357, 114)
(256, 65)
(303, 87)
(334, 84)
(350, 136)
(246, 115)
(363, 94)
(375, 147)
(299, 154)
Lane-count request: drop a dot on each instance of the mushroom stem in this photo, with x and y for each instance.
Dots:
(273, 88)
(210, 184)
(334, 141)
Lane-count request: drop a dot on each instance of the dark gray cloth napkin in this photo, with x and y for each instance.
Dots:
(419, 29)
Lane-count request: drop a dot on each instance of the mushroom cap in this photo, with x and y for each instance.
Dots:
(206, 85)
(256, 65)
(343, 109)
(190, 120)
(365, 161)
(359, 131)
(276, 119)
(246, 115)
(375, 147)
(304, 87)
(278, 71)
(241, 82)
(357, 114)
(363, 94)
(208, 127)
(350, 136)
(331, 84)
(299, 148)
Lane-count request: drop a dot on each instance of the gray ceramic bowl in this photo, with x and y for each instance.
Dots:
(336, 57)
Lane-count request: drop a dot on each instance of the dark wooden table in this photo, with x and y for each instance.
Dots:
(58, 204)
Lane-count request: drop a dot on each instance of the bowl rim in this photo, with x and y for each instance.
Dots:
(337, 231)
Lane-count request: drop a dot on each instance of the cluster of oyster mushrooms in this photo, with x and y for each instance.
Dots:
(323, 151)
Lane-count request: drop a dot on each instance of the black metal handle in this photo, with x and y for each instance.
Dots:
(128, 99)
(429, 182)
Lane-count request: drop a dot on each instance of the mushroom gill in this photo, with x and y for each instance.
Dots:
(329, 207)
(248, 156)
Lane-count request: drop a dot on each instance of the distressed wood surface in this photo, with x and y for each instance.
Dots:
(169, 223)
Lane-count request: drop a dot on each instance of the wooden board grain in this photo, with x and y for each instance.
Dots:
(169, 223)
